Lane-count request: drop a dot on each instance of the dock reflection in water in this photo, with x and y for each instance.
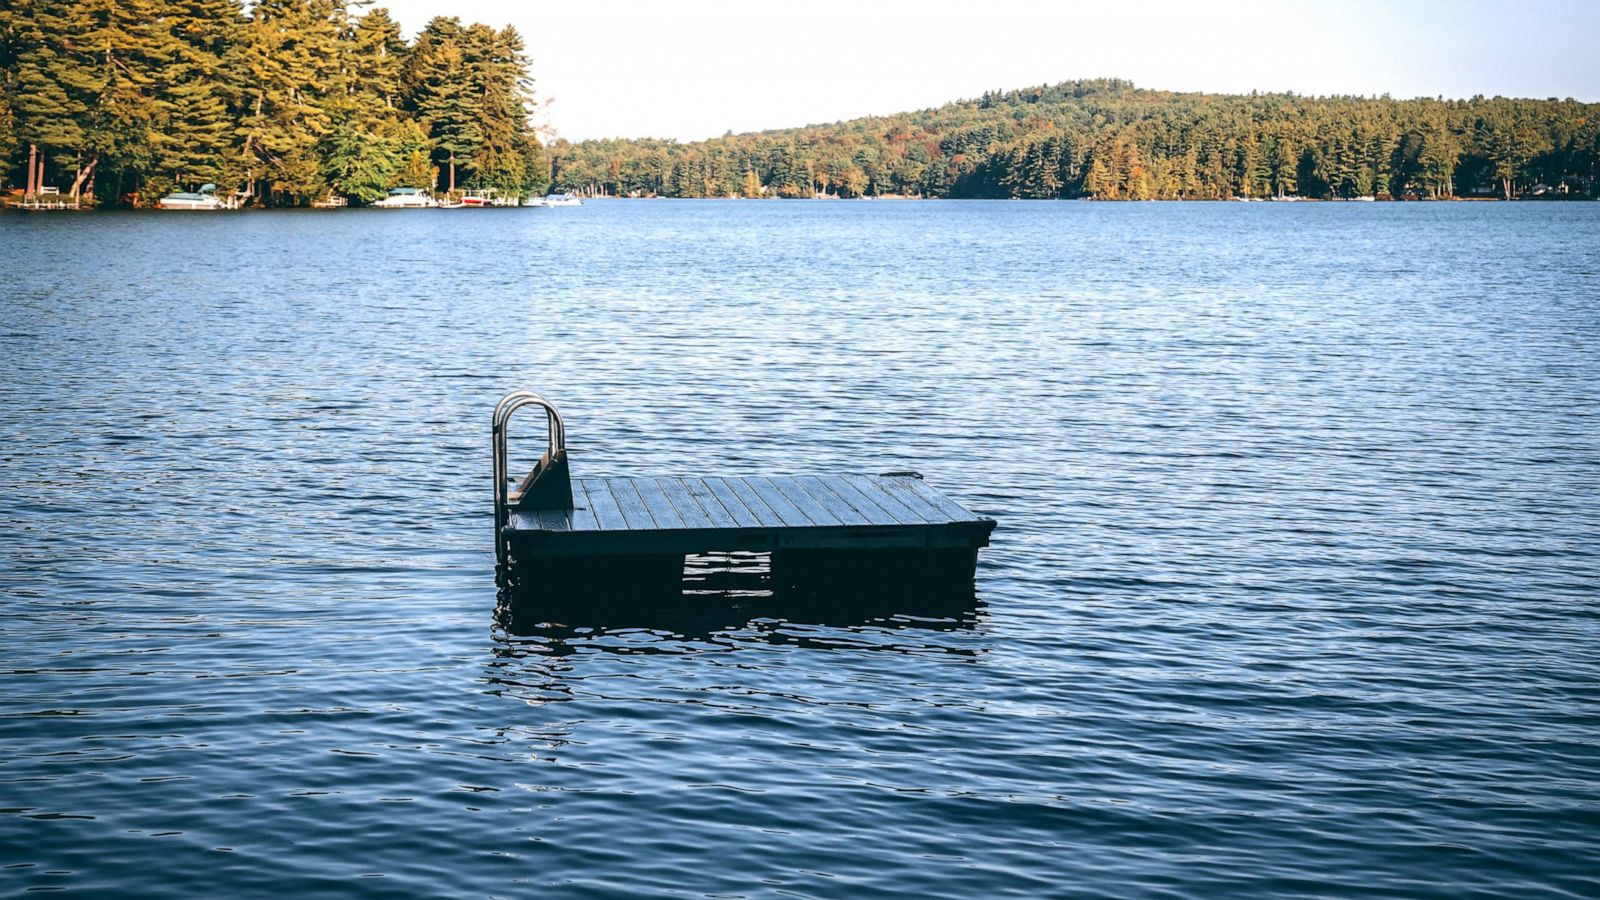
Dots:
(728, 600)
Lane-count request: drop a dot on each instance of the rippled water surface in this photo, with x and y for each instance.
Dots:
(1293, 590)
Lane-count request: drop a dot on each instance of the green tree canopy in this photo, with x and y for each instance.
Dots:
(283, 103)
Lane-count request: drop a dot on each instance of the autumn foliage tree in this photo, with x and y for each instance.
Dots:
(1107, 139)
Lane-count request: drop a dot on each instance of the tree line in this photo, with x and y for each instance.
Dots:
(1107, 139)
(293, 101)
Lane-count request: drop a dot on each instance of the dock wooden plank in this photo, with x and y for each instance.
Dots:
(603, 506)
(953, 510)
(837, 506)
(866, 505)
(654, 500)
(759, 508)
(775, 500)
(900, 489)
(716, 511)
(875, 492)
(815, 511)
(552, 519)
(634, 513)
(584, 519)
(688, 507)
(741, 514)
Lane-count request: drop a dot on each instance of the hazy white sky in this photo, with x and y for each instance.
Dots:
(691, 69)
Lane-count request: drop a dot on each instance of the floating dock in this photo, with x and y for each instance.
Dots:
(631, 533)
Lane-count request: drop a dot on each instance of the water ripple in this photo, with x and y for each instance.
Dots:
(1292, 594)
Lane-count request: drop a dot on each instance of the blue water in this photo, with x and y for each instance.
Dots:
(1293, 593)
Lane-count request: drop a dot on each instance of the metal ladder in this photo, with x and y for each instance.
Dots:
(549, 486)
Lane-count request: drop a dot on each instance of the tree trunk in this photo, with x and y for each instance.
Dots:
(83, 174)
(33, 157)
(1506, 184)
(452, 173)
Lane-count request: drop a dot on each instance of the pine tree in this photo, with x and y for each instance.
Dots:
(507, 155)
(368, 139)
(1282, 165)
(1128, 165)
(375, 55)
(194, 135)
(289, 52)
(438, 90)
(1099, 182)
(82, 83)
(1253, 170)
(1509, 143)
(10, 46)
(1438, 157)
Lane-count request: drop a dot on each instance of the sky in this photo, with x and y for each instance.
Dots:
(693, 69)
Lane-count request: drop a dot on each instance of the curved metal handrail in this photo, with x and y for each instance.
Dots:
(515, 400)
(497, 433)
(557, 429)
(503, 411)
(500, 408)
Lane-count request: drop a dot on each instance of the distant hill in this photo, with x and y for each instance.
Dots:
(1108, 139)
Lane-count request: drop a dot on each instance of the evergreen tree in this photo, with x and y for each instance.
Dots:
(1437, 158)
(289, 53)
(438, 90)
(194, 135)
(1099, 183)
(82, 84)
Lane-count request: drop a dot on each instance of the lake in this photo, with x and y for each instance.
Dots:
(1293, 590)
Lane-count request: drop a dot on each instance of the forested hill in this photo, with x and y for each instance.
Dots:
(1108, 139)
(123, 100)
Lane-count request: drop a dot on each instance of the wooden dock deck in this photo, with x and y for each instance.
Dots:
(691, 514)
(821, 530)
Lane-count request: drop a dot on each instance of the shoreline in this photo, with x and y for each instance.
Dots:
(16, 206)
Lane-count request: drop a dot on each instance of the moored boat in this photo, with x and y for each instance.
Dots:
(561, 200)
(406, 198)
(205, 198)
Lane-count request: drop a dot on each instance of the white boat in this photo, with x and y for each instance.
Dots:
(406, 198)
(205, 198)
(561, 200)
(481, 198)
